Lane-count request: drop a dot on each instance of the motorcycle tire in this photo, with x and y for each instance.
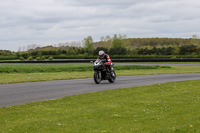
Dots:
(112, 78)
(97, 77)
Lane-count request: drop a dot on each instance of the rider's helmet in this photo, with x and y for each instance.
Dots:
(101, 53)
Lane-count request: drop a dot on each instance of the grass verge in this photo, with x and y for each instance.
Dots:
(6, 78)
(15, 73)
(169, 107)
(43, 72)
(44, 68)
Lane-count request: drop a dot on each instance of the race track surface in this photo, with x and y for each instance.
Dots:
(20, 93)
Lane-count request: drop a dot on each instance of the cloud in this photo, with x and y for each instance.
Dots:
(24, 22)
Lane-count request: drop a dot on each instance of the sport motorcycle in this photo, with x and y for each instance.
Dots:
(103, 72)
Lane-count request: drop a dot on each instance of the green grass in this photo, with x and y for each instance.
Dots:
(17, 77)
(38, 68)
(16, 73)
(34, 77)
(162, 108)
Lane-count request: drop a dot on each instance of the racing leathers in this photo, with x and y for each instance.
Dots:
(108, 60)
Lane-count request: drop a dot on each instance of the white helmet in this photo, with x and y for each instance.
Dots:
(101, 53)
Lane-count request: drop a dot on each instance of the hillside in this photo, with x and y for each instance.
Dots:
(117, 47)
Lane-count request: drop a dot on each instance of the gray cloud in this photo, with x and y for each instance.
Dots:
(46, 22)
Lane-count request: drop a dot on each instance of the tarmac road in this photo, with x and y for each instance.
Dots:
(20, 93)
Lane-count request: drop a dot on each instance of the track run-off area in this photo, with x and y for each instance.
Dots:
(20, 93)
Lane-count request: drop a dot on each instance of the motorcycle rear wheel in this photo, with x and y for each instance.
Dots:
(112, 78)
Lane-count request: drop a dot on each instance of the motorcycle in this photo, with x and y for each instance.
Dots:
(101, 72)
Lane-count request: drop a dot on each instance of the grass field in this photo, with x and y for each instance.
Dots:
(82, 67)
(15, 73)
(162, 108)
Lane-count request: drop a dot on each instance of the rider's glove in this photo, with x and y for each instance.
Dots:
(106, 63)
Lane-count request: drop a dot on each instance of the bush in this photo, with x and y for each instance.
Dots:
(43, 58)
(173, 57)
(50, 58)
(21, 58)
(38, 58)
(10, 57)
(30, 58)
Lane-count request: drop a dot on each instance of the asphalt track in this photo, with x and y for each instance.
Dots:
(20, 93)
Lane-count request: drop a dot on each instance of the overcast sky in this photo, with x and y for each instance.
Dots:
(49, 22)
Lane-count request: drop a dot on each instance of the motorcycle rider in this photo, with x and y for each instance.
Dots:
(108, 62)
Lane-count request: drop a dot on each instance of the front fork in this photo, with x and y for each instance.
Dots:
(99, 75)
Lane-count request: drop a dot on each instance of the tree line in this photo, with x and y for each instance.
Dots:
(118, 45)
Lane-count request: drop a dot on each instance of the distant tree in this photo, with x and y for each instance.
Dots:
(39, 53)
(117, 51)
(188, 49)
(5, 52)
(103, 39)
(72, 51)
(124, 36)
(32, 46)
(169, 51)
(25, 55)
(19, 49)
(194, 37)
(108, 38)
(81, 51)
(117, 42)
(132, 42)
(195, 40)
(89, 44)
(143, 51)
(176, 50)
(120, 36)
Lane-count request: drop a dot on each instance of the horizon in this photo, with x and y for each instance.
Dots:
(80, 43)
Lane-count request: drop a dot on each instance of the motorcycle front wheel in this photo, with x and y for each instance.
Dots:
(97, 77)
